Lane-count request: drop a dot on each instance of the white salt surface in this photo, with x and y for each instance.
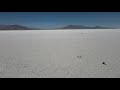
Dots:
(60, 54)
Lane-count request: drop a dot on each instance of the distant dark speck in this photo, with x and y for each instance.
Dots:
(79, 57)
(104, 63)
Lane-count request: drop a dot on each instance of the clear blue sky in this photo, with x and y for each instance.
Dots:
(58, 19)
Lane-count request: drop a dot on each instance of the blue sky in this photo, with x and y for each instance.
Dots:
(58, 19)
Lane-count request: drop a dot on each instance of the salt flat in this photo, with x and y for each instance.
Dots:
(60, 53)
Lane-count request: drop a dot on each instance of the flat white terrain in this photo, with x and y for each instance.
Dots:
(60, 54)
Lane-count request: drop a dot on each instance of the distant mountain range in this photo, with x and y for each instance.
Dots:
(83, 27)
(19, 27)
(13, 27)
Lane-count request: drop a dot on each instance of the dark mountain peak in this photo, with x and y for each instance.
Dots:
(13, 27)
(83, 27)
(73, 27)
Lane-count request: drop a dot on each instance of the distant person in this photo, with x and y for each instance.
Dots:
(104, 63)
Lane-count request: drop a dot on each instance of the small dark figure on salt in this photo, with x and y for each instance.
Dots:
(79, 57)
(104, 63)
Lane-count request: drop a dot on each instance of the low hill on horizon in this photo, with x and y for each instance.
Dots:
(84, 27)
(14, 27)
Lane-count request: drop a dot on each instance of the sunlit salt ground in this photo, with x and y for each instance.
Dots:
(60, 54)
